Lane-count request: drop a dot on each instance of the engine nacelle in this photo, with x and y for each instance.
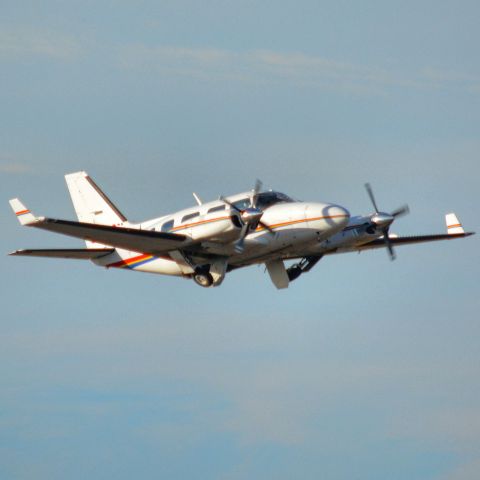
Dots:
(215, 229)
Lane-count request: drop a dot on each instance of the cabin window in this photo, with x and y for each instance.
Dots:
(218, 208)
(167, 226)
(190, 216)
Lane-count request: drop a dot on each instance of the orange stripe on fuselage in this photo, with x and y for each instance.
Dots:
(293, 222)
(277, 225)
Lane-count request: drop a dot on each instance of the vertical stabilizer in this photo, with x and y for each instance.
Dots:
(91, 204)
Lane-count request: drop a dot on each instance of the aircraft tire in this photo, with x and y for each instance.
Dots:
(294, 272)
(203, 279)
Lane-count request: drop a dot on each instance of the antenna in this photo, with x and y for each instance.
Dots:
(197, 198)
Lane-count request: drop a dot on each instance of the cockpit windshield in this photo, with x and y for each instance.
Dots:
(264, 200)
(267, 199)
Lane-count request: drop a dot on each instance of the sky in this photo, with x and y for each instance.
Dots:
(363, 368)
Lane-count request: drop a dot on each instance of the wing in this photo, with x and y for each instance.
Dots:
(379, 243)
(454, 230)
(76, 253)
(142, 241)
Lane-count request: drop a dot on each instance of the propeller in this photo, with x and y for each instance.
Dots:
(382, 220)
(250, 216)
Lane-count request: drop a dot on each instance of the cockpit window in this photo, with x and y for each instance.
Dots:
(264, 200)
(267, 199)
(242, 204)
(167, 226)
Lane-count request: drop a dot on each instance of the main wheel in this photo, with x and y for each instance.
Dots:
(294, 272)
(203, 279)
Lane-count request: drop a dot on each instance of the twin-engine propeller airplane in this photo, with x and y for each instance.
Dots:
(207, 241)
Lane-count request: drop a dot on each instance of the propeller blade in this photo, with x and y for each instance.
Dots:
(255, 192)
(389, 245)
(239, 245)
(372, 198)
(230, 204)
(399, 212)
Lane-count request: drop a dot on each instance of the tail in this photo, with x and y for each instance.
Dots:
(91, 204)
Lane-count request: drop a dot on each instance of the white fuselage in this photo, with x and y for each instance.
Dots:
(297, 227)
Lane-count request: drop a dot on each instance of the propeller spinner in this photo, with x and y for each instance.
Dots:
(382, 220)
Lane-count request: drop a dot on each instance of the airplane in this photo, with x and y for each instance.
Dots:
(207, 241)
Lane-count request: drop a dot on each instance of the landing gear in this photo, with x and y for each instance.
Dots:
(294, 272)
(303, 266)
(204, 279)
(210, 275)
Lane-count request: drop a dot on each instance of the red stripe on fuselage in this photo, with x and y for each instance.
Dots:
(130, 261)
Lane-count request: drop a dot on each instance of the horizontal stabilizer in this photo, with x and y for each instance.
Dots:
(24, 215)
(453, 224)
(75, 253)
(142, 241)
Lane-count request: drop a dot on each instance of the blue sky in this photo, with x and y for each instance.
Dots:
(364, 368)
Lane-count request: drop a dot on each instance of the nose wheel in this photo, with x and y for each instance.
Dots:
(305, 265)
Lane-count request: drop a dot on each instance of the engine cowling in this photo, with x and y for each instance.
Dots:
(223, 229)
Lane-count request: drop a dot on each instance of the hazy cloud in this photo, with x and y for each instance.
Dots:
(26, 42)
(262, 66)
(13, 168)
(258, 66)
(466, 471)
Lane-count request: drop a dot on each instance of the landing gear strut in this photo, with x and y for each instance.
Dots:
(303, 266)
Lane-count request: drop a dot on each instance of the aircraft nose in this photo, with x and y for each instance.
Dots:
(338, 214)
(327, 216)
